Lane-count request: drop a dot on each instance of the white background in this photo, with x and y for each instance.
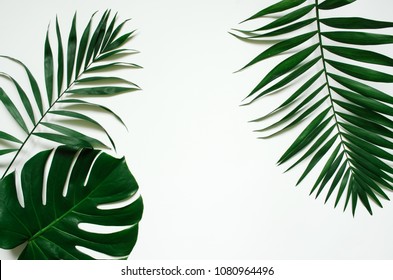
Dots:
(211, 190)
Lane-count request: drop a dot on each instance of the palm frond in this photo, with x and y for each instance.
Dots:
(349, 126)
(77, 69)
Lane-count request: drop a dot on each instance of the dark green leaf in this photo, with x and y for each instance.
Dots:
(71, 50)
(93, 40)
(275, 8)
(101, 35)
(281, 47)
(307, 135)
(7, 151)
(365, 124)
(108, 33)
(364, 134)
(371, 173)
(355, 23)
(326, 168)
(314, 147)
(305, 114)
(51, 228)
(82, 48)
(117, 31)
(365, 113)
(75, 134)
(284, 67)
(60, 60)
(363, 89)
(350, 193)
(363, 198)
(310, 110)
(358, 38)
(48, 69)
(336, 180)
(9, 137)
(290, 77)
(361, 55)
(361, 72)
(33, 83)
(11, 108)
(115, 52)
(109, 90)
(343, 185)
(119, 42)
(98, 79)
(286, 29)
(83, 117)
(112, 66)
(330, 172)
(369, 192)
(370, 162)
(363, 130)
(63, 139)
(23, 96)
(371, 179)
(317, 157)
(293, 97)
(288, 18)
(332, 4)
(364, 101)
(370, 148)
(78, 101)
(280, 31)
(302, 105)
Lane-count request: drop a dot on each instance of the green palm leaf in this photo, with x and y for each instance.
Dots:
(50, 224)
(69, 76)
(350, 130)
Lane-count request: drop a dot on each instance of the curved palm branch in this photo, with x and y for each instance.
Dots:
(349, 122)
(74, 72)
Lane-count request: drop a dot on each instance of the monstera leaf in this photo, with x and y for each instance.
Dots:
(80, 187)
(336, 72)
(80, 68)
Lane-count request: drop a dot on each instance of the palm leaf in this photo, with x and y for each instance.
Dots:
(60, 57)
(350, 130)
(48, 68)
(90, 104)
(69, 76)
(11, 108)
(23, 96)
(71, 50)
(50, 225)
(9, 137)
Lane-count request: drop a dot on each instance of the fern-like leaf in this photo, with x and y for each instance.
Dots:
(349, 118)
(76, 70)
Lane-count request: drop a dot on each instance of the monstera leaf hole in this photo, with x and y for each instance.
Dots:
(91, 209)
